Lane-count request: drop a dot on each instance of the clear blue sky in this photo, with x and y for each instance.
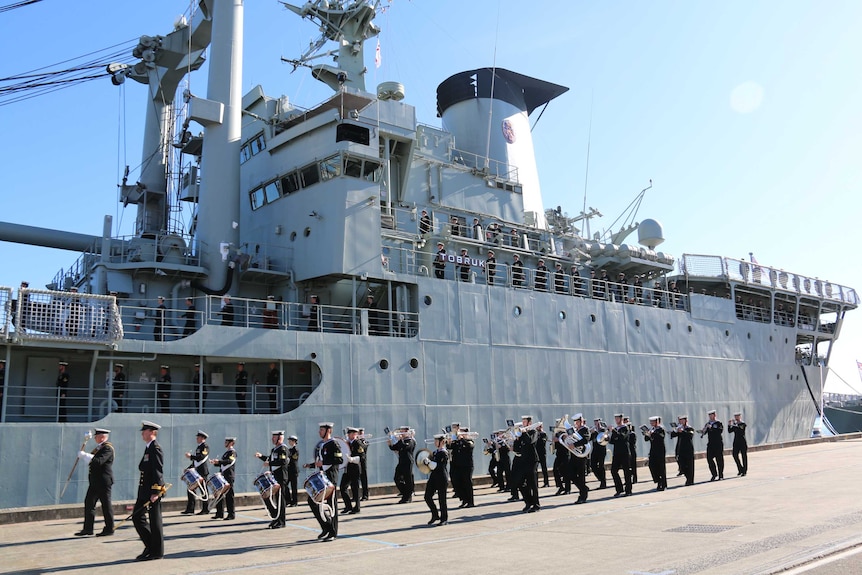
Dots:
(746, 115)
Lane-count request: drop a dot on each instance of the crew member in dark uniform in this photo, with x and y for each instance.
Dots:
(504, 464)
(241, 387)
(277, 460)
(579, 464)
(453, 430)
(599, 453)
(404, 446)
(314, 314)
(517, 271)
(189, 316)
(462, 458)
(685, 448)
(363, 465)
(491, 449)
(199, 463)
(273, 378)
(425, 224)
(524, 468)
(227, 463)
(541, 280)
(438, 480)
(620, 458)
(740, 445)
(559, 278)
(464, 266)
(440, 262)
(63, 387)
(490, 268)
(163, 389)
(159, 328)
(542, 453)
(118, 387)
(292, 470)
(350, 479)
(633, 450)
(562, 466)
(151, 489)
(101, 475)
(715, 446)
(327, 458)
(657, 467)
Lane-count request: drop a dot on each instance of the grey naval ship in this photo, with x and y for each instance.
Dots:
(361, 266)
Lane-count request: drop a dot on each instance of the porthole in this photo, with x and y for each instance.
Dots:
(562, 315)
(727, 333)
(427, 300)
(306, 232)
(689, 329)
(777, 376)
(785, 340)
(770, 338)
(292, 236)
(749, 335)
(517, 311)
(384, 364)
(414, 363)
(313, 355)
(637, 323)
(593, 317)
(668, 326)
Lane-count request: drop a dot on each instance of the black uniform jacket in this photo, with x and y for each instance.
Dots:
(151, 467)
(101, 466)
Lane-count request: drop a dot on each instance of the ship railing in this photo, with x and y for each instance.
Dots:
(218, 395)
(756, 274)
(45, 315)
(484, 165)
(268, 257)
(171, 323)
(5, 313)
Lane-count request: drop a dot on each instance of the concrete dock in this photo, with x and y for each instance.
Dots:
(797, 511)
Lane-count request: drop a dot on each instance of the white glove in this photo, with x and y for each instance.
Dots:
(432, 465)
(518, 433)
(353, 459)
(426, 461)
(87, 437)
(84, 456)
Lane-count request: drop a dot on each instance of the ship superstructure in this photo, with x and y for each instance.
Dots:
(362, 266)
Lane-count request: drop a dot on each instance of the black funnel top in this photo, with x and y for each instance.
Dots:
(521, 91)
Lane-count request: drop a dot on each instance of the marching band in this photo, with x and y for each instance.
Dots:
(578, 449)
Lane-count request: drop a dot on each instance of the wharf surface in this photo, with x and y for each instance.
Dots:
(797, 511)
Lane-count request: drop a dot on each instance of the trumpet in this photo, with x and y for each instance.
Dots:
(705, 429)
(531, 427)
(468, 435)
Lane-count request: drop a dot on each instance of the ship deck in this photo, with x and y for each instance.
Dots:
(797, 506)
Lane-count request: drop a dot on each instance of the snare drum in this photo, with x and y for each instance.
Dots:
(318, 487)
(217, 484)
(192, 478)
(266, 484)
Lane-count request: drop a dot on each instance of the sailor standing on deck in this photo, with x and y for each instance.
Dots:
(163, 389)
(228, 471)
(404, 445)
(277, 460)
(101, 462)
(440, 262)
(118, 387)
(684, 448)
(714, 446)
(657, 467)
(199, 463)
(437, 481)
(241, 387)
(327, 458)
(150, 491)
(740, 445)
(63, 389)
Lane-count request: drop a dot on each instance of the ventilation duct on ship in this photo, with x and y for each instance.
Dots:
(231, 272)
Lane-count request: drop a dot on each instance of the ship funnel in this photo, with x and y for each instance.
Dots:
(487, 111)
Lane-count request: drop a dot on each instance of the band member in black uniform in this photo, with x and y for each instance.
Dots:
(292, 470)
(241, 387)
(118, 387)
(150, 490)
(685, 448)
(404, 444)
(714, 430)
(277, 460)
(490, 448)
(599, 454)
(327, 457)
(63, 387)
(579, 464)
(633, 450)
(438, 481)
(562, 466)
(504, 464)
(524, 469)
(740, 446)
(657, 467)
(620, 458)
(228, 471)
(199, 463)
(350, 478)
(454, 471)
(363, 465)
(272, 380)
(542, 453)
(163, 389)
(440, 262)
(101, 476)
(462, 459)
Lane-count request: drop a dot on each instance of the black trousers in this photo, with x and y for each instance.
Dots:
(404, 480)
(530, 485)
(276, 506)
(455, 480)
(686, 465)
(658, 470)
(437, 488)
(292, 480)
(543, 465)
(464, 490)
(363, 476)
(101, 494)
(150, 532)
(619, 464)
(350, 479)
(740, 456)
(226, 501)
(715, 459)
(579, 476)
(597, 464)
(190, 504)
(327, 521)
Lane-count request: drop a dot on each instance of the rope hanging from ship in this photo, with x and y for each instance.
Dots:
(816, 404)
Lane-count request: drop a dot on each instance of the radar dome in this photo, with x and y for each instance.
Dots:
(650, 233)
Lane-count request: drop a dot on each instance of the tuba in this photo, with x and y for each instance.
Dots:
(571, 437)
(421, 460)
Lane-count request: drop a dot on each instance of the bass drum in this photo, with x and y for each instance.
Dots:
(345, 451)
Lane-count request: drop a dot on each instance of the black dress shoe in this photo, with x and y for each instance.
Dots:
(527, 509)
(83, 533)
(187, 512)
(105, 533)
(512, 499)
(443, 522)
(230, 517)
(364, 498)
(559, 491)
(152, 557)
(469, 505)
(330, 535)
(203, 512)
(433, 520)
(143, 556)
(713, 478)
(546, 485)
(218, 516)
